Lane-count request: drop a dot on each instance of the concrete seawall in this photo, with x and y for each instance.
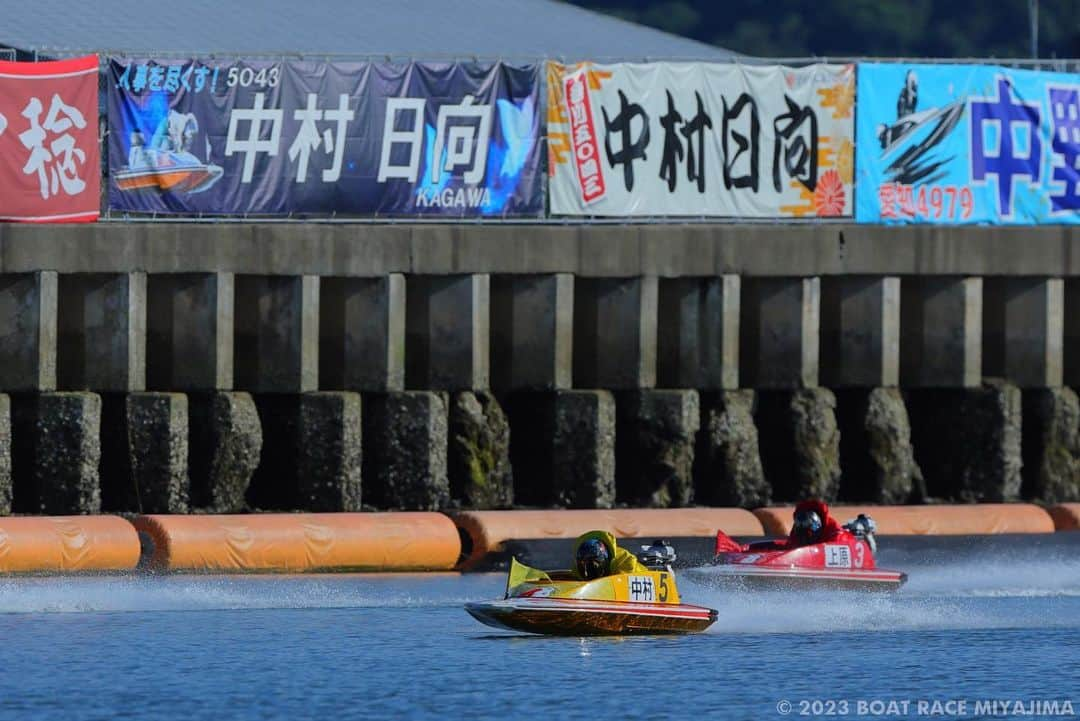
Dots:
(168, 367)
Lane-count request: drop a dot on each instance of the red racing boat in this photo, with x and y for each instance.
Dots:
(844, 562)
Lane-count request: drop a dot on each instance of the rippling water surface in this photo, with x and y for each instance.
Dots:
(394, 646)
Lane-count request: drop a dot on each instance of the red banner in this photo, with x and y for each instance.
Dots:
(50, 165)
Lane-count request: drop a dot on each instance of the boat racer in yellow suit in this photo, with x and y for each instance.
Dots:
(596, 554)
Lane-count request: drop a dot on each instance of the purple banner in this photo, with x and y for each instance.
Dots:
(312, 138)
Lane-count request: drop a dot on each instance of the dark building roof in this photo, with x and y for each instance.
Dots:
(486, 29)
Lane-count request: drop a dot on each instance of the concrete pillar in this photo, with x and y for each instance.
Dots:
(698, 334)
(1051, 445)
(584, 449)
(860, 331)
(654, 442)
(57, 453)
(446, 332)
(405, 463)
(532, 331)
(157, 431)
(728, 459)
(102, 332)
(779, 332)
(876, 454)
(800, 443)
(967, 441)
(941, 332)
(1023, 330)
(362, 333)
(28, 331)
(189, 331)
(330, 452)
(478, 452)
(615, 327)
(6, 480)
(277, 333)
(225, 445)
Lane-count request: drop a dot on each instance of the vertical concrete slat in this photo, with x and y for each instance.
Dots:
(698, 333)
(28, 331)
(860, 330)
(447, 332)
(532, 325)
(277, 333)
(190, 331)
(101, 324)
(1023, 330)
(779, 328)
(615, 332)
(362, 333)
(941, 332)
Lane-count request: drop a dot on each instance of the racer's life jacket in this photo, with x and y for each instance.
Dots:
(622, 561)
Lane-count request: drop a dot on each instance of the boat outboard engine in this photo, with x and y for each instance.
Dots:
(863, 527)
(659, 556)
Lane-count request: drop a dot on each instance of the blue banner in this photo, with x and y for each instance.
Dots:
(312, 138)
(966, 144)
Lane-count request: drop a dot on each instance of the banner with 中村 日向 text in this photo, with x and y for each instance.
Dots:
(50, 165)
(700, 139)
(304, 137)
(967, 144)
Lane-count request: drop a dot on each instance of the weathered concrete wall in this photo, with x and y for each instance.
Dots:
(877, 459)
(405, 462)
(800, 443)
(584, 449)
(968, 441)
(276, 333)
(362, 333)
(779, 332)
(101, 332)
(654, 444)
(663, 250)
(728, 461)
(157, 430)
(532, 331)
(1051, 445)
(330, 452)
(478, 465)
(57, 439)
(447, 323)
(553, 319)
(615, 326)
(698, 334)
(225, 445)
(28, 317)
(189, 331)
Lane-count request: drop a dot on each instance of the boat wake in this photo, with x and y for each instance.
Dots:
(987, 593)
(204, 593)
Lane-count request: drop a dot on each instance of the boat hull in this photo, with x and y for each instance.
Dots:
(579, 617)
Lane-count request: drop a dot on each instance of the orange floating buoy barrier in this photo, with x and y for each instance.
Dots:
(486, 531)
(65, 544)
(1066, 516)
(295, 542)
(948, 520)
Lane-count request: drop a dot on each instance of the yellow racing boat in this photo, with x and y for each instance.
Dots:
(561, 604)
